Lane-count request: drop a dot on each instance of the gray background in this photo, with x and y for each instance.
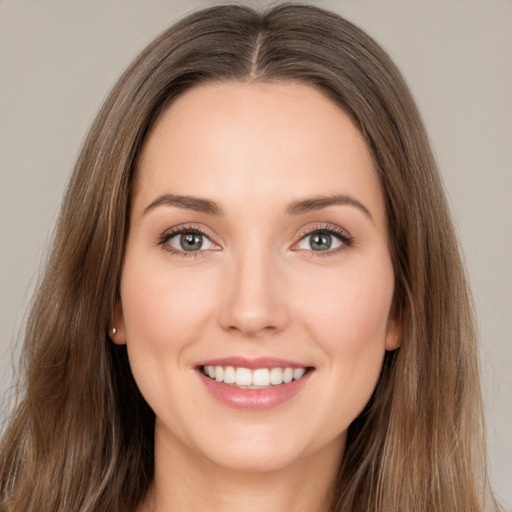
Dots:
(58, 60)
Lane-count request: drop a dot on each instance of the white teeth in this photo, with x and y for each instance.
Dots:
(219, 374)
(287, 375)
(254, 379)
(298, 373)
(276, 376)
(229, 375)
(243, 377)
(261, 377)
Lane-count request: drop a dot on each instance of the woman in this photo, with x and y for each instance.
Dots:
(255, 297)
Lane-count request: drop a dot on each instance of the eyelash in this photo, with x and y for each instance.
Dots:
(181, 230)
(341, 234)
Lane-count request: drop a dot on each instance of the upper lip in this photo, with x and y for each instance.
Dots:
(253, 364)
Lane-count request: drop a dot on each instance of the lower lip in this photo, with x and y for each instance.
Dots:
(254, 399)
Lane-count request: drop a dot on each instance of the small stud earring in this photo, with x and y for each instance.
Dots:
(113, 331)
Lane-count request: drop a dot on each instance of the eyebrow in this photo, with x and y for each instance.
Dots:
(317, 203)
(295, 208)
(188, 202)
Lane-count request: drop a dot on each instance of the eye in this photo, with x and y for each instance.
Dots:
(186, 240)
(325, 239)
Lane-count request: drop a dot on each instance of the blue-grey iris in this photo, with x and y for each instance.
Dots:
(320, 241)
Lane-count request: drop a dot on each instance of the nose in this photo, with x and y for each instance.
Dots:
(254, 297)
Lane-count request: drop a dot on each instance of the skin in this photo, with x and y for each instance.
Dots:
(257, 288)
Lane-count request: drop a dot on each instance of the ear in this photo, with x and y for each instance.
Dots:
(117, 331)
(394, 331)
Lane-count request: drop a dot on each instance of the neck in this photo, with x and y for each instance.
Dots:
(186, 481)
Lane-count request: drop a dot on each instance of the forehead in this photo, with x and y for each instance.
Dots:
(269, 142)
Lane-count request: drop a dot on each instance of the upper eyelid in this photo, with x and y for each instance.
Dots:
(180, 229)
(170, 233)
(186, 227)
(337, 230)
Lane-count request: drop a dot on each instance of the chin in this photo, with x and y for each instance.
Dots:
(255, 460)
(265, 454)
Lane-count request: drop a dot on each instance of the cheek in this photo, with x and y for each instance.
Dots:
(352, 304)
(163, 307)
(348, 318)
(164, 314)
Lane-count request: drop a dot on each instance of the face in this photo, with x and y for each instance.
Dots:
(257, 284)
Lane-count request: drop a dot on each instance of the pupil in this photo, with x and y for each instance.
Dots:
(191, 241)
(320, 242)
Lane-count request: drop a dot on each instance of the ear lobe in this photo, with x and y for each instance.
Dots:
(117, 331)
(394, 333)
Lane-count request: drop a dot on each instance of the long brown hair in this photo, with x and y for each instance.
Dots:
(81, 437)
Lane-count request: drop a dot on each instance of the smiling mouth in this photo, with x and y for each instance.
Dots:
(260, 378)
